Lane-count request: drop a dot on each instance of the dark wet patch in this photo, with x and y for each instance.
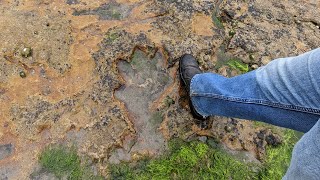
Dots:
(146, 79)
(72, 2)
(6, 150)
(109, 11)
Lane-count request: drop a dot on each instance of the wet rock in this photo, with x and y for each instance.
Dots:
(6, 150)
(41, 174)
(203, 138)
(70, 2)
(273, 140)
(146, 80)
(109, 11)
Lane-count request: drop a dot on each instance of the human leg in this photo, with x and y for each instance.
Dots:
(285, 93)
(305, 161)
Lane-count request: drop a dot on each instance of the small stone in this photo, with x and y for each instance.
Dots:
(254, 66)
(223, 71)
(232, 33)
(207, 57)
(203, 138)
(23, 74)
(26, 52)
(261, 135)
(251, 57)
(234, 23)
(228, 128)
(317, 27)
(273, 140)
(33, 71)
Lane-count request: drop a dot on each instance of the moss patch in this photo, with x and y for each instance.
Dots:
(217, 22)
(238, 65)
(186, 160)
(64, 162)
(278, 159)
(198, 160)
(112, 36)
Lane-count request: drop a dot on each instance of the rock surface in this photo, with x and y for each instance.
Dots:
(74, 87)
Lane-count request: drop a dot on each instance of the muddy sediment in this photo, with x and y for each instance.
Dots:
(101, 75)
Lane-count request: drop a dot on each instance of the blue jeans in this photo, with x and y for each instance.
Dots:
(286, 93)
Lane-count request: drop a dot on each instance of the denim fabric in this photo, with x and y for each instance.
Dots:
(286, 93)
(305, 161)
(293, 80)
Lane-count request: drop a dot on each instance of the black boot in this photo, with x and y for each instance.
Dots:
(188, 67)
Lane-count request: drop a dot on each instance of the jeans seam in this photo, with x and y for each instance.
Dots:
(259, 102)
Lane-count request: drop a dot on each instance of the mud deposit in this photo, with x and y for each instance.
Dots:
(101, 75)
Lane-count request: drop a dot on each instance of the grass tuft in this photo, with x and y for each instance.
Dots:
(186, 160)
(278, 159)
(238, 65)
(64, 162)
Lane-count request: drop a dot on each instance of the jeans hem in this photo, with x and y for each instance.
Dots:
(194, 103)
(255, 101)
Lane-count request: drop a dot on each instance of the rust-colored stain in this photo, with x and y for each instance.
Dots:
(202, 25)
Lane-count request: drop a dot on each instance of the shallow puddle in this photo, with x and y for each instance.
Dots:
(145, 81)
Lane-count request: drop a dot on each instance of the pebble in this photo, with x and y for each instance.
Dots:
(23, 74)
(232, 33)
(251, 57)
(26, 52)
(254, 66)
(272, 140)
(203, 138)
(228, 128)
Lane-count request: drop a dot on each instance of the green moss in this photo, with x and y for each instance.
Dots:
(168, 101)
(232, 33)
(64, 162)
(197, 160)
(187, 160)
(116, 15)
(112, 36)
(184, 160)
(217, 22)
(278, 159)
(238, 65)
(137, 61)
